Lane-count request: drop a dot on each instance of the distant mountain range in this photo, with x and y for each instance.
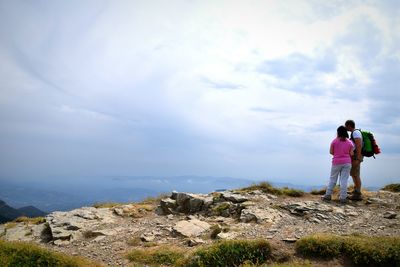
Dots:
(67, 194)
(8, 213)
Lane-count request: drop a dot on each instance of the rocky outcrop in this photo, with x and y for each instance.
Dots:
(184, 219)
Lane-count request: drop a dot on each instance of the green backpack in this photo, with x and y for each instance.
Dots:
(370, 148)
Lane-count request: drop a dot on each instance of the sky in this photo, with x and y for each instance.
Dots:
(244, 89)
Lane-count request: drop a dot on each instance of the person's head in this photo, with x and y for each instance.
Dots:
(350, 125)
(342, 132)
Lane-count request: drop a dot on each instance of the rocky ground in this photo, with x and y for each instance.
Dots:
(190, 220)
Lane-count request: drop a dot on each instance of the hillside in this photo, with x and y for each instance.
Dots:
(184, 221)
(8, 213)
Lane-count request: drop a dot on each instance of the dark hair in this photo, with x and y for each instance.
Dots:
(350, 123)
(342, 132)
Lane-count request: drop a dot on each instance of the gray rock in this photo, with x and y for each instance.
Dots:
(232, 197)
(195, 242)
(147, 237)
(229, 235)
(192, 228)
(390, 215)
(168, 205)
(289, 239)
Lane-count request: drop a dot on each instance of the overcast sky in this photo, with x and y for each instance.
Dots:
(246, 89)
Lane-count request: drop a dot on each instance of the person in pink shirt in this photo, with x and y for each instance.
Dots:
(342, 150)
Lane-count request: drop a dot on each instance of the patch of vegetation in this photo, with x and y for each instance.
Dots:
(99, 205)
(231, 253)
(266, 187)
(323, 246)
(361, 250)
(298, 263)
(26, 254)
(392, 188)
(220, 208)
(154, 200)
(35, 220)
(10, 225)
(156, 256)
(292, 192)
(318, 192)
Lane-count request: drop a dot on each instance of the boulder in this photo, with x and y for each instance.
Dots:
(233, 197)
(191, 228)
(168, 206)
(390, 215)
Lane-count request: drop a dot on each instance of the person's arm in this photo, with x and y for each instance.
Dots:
(331, 149)
(351, 152)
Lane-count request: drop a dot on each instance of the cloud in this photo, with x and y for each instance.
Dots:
(192, 87)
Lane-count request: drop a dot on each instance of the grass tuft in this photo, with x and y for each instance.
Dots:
(392, 188)
(231, 253)
(27, 254)
(35, 220)
(156, 256)
(266, 187)
(361, 250)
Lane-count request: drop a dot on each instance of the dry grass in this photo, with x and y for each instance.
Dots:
(266, 187)
(28, 220)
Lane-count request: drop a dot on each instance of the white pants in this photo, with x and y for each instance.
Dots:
(344, 171)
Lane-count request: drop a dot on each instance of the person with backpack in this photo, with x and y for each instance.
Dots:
(342, 150)
(357, 138)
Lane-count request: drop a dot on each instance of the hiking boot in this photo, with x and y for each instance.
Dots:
(326, 198)
(343, 201)
(356, 196)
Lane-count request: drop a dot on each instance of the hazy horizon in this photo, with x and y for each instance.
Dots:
(243, 89)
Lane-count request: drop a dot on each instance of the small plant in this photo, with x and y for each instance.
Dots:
(392, 187)
(215, 230)
(221, 208)
(318, 192)
(156, 256)
(292, 192)
(231, 253)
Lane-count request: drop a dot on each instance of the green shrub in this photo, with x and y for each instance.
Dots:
(20, 254)
(156, 256)
(377, 251)
(292, 192)
(361, 250)
(320, 245)
(392, 187)
(231, 253)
